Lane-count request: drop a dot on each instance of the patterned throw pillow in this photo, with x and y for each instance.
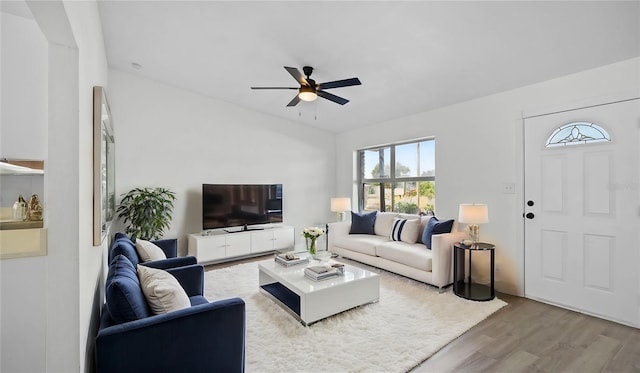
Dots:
(405, 230)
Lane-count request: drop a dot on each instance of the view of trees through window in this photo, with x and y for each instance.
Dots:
(398, 177)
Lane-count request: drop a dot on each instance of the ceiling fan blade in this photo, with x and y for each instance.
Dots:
(339, 83)
(274, 88)
(294, 102)
(331, 97)
(295, 73)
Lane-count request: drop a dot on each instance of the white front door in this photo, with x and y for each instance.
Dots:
(582, 200)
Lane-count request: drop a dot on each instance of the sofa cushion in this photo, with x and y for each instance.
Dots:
(362, 223)
(434, 226)
(384, 220)
(123, 295)
(162, 291)
(148, 251)
(412, 255)
(424, 220)
(122, 245)
(362, 243)
(405, 230)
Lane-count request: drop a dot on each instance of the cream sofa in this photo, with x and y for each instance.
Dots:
(432, 266)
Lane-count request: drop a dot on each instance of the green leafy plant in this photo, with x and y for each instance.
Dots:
(407, 207)
(147, 212)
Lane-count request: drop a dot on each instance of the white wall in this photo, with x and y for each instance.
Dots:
(65, 285)
(23, 120)
(172, 138)
(23, 128)
(478, 148)
(92, 71)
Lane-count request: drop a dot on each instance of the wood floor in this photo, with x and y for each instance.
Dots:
(529, 336)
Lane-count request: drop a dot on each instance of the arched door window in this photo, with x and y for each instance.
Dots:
(577, 133)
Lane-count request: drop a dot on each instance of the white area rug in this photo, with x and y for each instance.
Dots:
(411, 322)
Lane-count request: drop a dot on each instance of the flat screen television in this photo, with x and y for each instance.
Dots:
(240, 205)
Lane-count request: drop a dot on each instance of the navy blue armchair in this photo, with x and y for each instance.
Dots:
(123, 245)
(206, 337)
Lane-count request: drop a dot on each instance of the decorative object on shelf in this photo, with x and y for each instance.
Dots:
(148, 212)
(20, 209)
(34, 208)
(473, 214)
(312, 233)
(339, 205)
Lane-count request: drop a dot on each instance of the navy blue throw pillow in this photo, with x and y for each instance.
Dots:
(123, 295)
(434, 226)
(362, 223)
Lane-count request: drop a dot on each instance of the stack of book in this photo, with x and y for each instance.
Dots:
(318, 273)
(290, 259)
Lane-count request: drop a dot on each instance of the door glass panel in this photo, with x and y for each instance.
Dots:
(577, 133)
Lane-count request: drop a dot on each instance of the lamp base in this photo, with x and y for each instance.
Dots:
(340, 216)
(474, 233)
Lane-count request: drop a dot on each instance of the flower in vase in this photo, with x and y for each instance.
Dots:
(312, 233)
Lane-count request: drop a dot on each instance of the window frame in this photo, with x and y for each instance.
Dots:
(392, 178)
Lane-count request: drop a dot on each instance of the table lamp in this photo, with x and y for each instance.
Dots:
(473, 214)
(339, 205)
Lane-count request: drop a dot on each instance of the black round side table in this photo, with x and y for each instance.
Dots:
(469, 289)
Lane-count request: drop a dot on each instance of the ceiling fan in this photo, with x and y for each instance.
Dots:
(309, 90)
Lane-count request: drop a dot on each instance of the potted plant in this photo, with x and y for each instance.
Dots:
(148, 212)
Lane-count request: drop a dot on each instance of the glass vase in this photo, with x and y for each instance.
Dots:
(312, 247)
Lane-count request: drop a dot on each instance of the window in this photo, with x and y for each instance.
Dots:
(398, 177)
(577, 133)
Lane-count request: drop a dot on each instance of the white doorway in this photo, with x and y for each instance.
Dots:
(582, 206)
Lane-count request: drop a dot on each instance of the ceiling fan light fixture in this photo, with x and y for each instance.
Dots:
(307, 94)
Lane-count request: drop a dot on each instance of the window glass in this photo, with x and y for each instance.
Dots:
(408, 187)
(377, 163)
(407, 160)
(427, 158)
(371, 192)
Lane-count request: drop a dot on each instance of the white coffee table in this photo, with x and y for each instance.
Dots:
(309, 301)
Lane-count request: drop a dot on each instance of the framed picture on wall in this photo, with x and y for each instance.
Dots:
(104, 198)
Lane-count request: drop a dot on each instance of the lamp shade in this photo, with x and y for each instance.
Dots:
(340, 204)
(473, 213)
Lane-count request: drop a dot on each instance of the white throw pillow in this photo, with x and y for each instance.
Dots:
(162, 291)
(405, 230)
(148, 251)
(382, 225)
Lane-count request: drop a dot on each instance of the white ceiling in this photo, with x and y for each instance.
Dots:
(410, 56)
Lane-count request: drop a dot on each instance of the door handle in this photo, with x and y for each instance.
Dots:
(530, 215)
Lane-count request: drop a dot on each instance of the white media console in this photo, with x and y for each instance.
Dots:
(218, 245)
